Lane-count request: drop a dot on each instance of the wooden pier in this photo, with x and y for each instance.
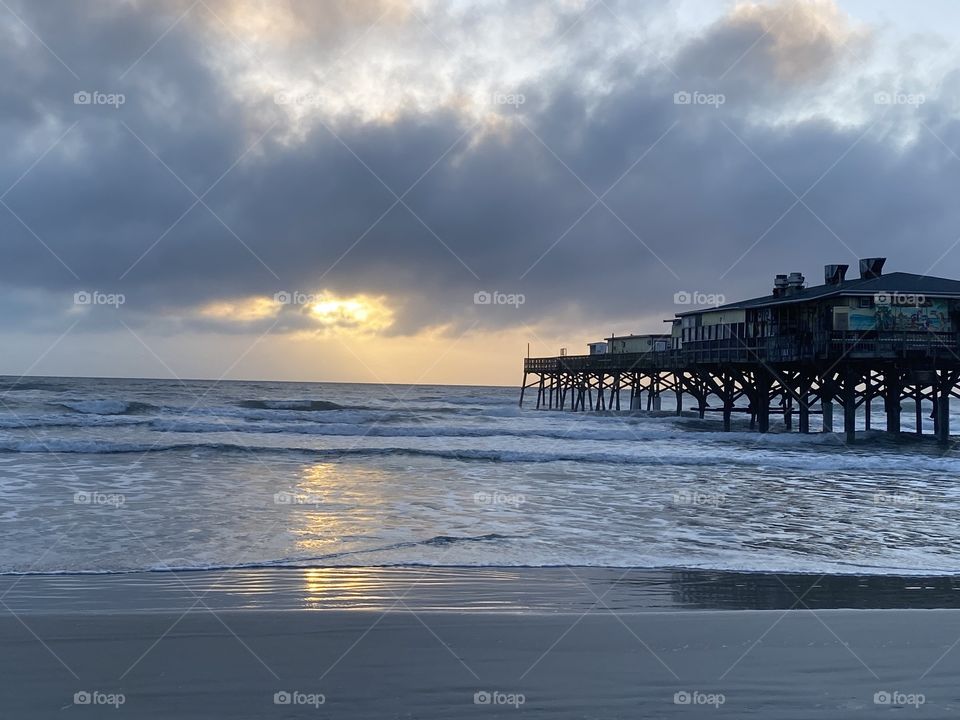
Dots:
(784, 356)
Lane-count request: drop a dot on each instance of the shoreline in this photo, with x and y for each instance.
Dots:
(517, 590)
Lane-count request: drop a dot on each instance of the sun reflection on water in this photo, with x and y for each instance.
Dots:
(345, 518)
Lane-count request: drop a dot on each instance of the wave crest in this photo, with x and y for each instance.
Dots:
(304, 405)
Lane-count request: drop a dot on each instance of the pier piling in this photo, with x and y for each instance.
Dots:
(738, 389)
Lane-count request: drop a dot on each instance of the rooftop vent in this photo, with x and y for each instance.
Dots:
(871, 268)
(780, 285)
(834, 274)
(795, 283)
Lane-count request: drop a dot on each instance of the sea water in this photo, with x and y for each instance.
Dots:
(108, 476)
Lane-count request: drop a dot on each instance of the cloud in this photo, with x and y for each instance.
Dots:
(402, 179)
(804, 40)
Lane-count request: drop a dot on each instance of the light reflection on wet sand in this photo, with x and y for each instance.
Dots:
(465, 590)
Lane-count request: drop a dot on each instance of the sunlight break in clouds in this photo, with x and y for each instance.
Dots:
(320, 312)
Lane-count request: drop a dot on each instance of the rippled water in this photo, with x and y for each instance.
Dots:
(124, 475)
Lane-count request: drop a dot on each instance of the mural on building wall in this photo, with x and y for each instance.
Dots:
(933, 316)
(862, 320)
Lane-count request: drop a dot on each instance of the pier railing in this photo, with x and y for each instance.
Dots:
(783, 349)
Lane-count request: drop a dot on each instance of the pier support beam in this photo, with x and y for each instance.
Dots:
(850, 406)
(763, 400)
(728, 391)
(934, 412)
(804, 406)
(919, 408)
(942, 406)
(892, 401)
(943, 412)
(826, 408)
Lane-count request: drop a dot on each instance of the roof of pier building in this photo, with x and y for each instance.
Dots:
(897, 282)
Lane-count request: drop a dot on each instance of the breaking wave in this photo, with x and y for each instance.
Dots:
(730, 456)
(302, 405)
(106, 407)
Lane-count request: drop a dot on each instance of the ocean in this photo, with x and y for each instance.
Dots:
(120, 476)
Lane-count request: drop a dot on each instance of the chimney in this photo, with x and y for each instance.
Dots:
(794, 283)
(834, 274)
(779, 285)
(871, 268)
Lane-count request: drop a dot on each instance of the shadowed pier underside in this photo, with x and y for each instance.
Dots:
(793, 390)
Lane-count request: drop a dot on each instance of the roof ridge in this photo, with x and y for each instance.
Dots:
(898, 282)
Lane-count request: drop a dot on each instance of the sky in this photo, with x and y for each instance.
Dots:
(413, 191)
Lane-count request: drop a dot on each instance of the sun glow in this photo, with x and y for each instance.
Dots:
(360, 312)
(304, 313)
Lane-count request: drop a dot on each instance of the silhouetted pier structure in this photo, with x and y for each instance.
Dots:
(886, 339)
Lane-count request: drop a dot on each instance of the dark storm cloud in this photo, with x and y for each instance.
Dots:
(512, 206)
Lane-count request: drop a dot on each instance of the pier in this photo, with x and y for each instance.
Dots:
(882, 341)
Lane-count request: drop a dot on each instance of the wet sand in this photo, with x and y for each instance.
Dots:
(429, 650)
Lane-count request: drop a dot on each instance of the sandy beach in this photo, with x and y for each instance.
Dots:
(413, 655)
